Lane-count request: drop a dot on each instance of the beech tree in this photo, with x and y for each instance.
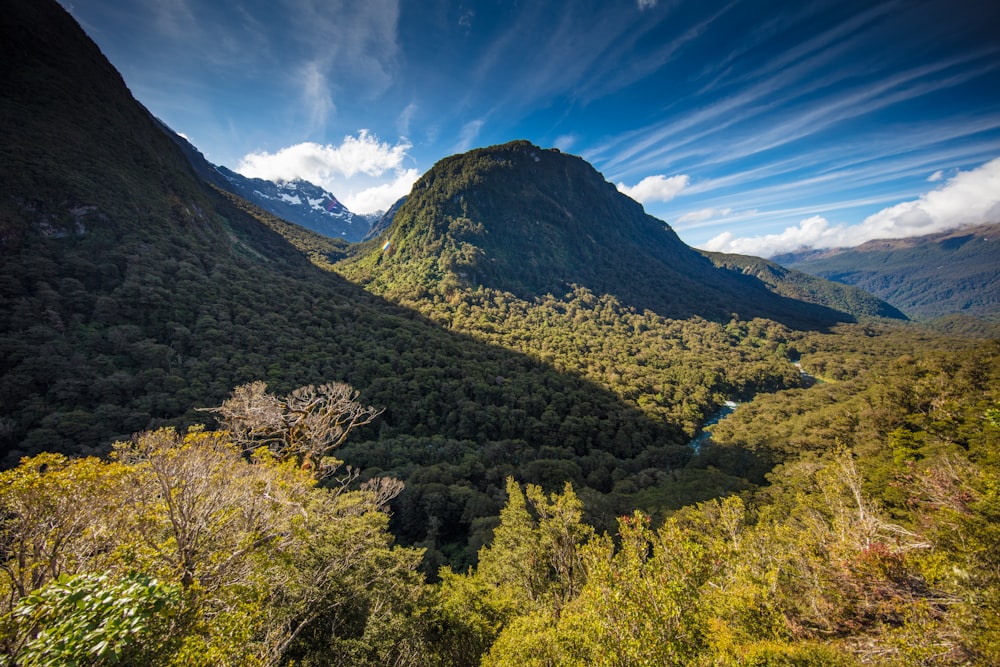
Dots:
(305, 426)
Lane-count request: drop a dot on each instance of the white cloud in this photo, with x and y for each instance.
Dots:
(814, 232)
(363, 154)
(936, 176)
(646, 4)
(705, 214)
(565, 141)
(469, 134)
(381, 197)
(970, 197)
(316, 95)
(655, 188)
(363, 172)
(405, 118)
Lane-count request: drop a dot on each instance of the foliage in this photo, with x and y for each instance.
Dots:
(90, 619)
(804, 287)
(515, 344)
(257, 554)
(516, 218)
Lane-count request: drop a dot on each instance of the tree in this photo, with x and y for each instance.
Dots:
(255, 561)
(202, 510)
(303, 426)
(536, 559)
(54, 520)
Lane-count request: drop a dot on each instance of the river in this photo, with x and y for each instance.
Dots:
(727, 408)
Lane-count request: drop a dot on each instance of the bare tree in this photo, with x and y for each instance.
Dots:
(306, 425)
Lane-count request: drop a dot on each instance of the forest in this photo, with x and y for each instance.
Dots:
(866, 533)
(227, 440)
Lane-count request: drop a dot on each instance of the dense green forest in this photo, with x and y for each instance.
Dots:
(230, 441)
(872, 540)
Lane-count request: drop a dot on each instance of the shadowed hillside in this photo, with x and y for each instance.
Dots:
(132, 293)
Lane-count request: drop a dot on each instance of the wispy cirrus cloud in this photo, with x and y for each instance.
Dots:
(969, 197)
(470, 132)
(704, 214)
(316, 96)
(565, 142)
(575, 54)
(360, 59)
(799, 95)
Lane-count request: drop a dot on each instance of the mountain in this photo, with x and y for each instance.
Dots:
(133, 292)
(798, 285)
(384, 221)
(299, 202)
(956, 272)
(531, 222)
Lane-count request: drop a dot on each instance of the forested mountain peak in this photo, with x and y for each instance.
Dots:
(533, 221)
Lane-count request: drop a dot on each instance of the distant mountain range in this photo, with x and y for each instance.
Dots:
(956, 272)
(299, 201)
(304, 204)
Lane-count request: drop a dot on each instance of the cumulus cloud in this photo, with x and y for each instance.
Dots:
(814, 232)
(655, 188)
(381, 197)
(362, 171)
(363, 154)
(970, 197)
(936, 176)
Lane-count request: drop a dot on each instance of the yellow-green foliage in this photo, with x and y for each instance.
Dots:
(253, 551)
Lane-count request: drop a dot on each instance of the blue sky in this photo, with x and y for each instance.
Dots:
(749, 126)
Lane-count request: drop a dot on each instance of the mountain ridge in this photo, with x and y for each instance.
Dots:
(133, 292)
(954, 272)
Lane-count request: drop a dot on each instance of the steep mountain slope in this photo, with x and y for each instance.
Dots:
(385, 220)
(798, 285)
(132, 292)
(300, 202)
(948, 273)
(531, 222)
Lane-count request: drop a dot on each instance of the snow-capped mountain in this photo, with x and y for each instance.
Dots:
(298, 202)
(302, 203)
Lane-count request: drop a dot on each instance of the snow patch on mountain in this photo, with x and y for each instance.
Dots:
(302, 203)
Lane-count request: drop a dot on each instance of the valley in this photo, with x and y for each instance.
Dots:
(533, 354)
